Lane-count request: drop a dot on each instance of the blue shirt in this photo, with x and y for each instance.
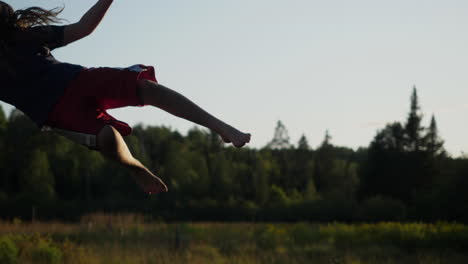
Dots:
(36, 80)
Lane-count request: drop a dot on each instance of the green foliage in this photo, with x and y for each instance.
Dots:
(278, 197)
(413, 128)
(46, 252)
(270, 237)
(304, 234)
(388, 242)
(8, 251)
(434, 143)
(311, 193)
(404, 174)
(35, 178)
(403, 159)
(303, 144)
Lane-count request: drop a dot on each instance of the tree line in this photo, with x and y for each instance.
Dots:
(403, 175)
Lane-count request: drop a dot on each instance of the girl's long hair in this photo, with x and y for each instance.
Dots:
(29, 17)
(21, 19)
(35, 16)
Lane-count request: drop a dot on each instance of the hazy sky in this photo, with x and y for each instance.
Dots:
(346, 66)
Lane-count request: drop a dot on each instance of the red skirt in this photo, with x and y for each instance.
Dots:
(83, 106)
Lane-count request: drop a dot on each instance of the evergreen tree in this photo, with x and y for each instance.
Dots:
(281, 138)
(324, 162)
(303, 144)
(261, 168)
(413, 128)
(398, 165)
(434, 143)
(327, 140)
(405, 163)
(391, 138)
(303, 166)
(381, 173)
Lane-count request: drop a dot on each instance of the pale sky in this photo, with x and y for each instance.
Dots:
(346, 66)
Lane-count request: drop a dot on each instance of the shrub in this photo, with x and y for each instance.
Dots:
(270, 237)
(8, 251)
(45, 252)
(304, 234)
(206, 253)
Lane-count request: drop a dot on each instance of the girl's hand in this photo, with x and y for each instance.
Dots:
(87, 23)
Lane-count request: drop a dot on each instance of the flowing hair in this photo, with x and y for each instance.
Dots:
(12, 21)
(36, 16)
(26, 18)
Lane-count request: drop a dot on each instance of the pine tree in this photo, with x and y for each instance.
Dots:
(302, 166)
(303, 144)
(327, 140)
(281, 138)
(324, 163)
(413, 128)
(434, 143)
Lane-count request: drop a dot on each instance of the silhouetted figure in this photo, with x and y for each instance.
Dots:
(72, 100)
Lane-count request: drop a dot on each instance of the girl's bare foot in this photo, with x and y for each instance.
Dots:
(147, 181)
(234, 136)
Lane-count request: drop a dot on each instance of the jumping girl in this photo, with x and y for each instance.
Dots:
(74, 99)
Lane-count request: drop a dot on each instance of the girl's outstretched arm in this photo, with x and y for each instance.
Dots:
(87, 23)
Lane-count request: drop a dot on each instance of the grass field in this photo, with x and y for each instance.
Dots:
(129, 238)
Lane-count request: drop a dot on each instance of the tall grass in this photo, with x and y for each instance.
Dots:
(129, 238)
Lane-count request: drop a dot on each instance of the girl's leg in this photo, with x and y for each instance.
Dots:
(152, 93)
(112, 145)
